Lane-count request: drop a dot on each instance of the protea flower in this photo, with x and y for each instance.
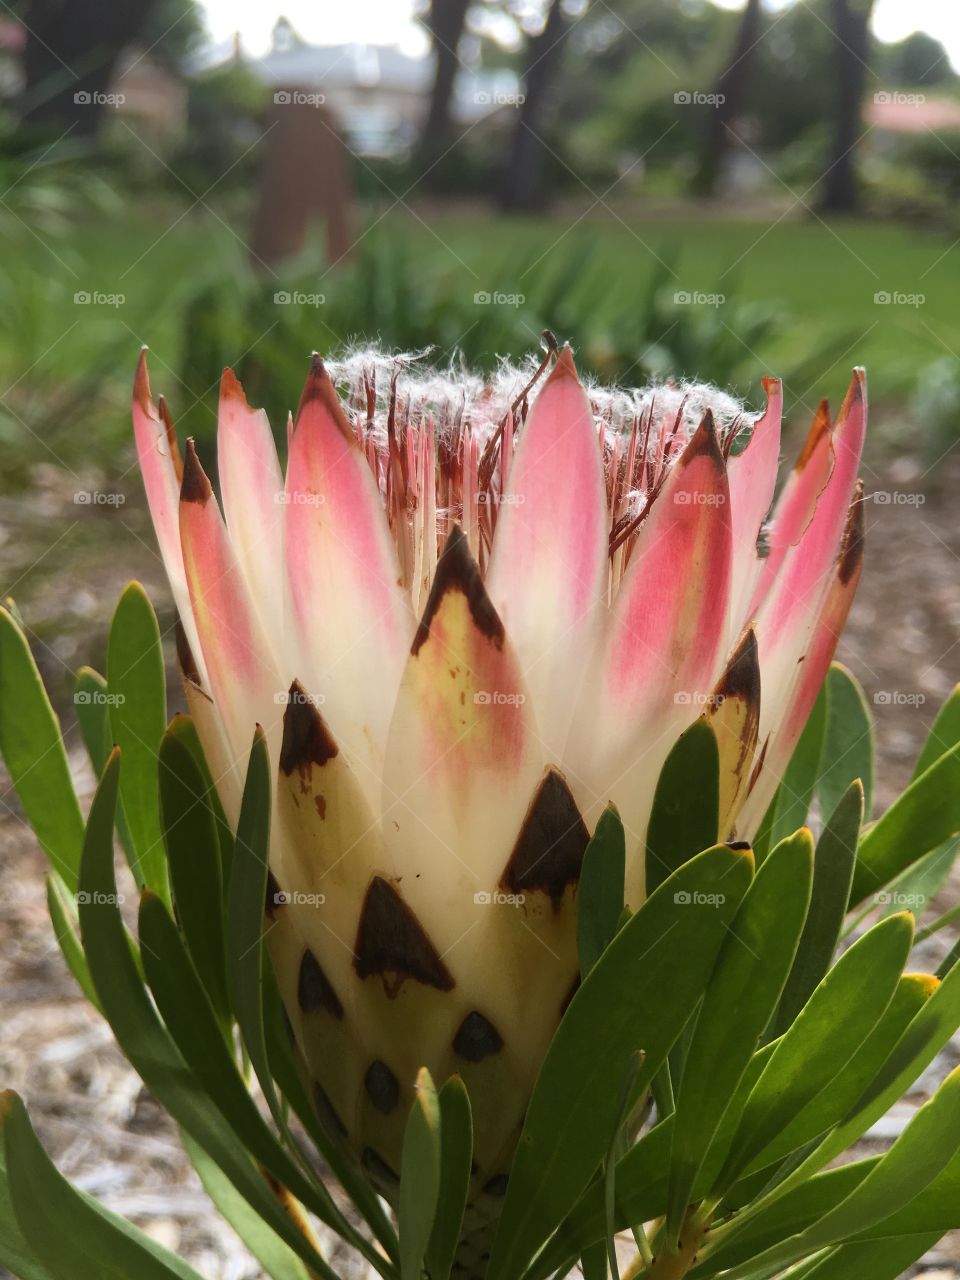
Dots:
(466, 626)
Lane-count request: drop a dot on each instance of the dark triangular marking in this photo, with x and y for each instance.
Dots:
(306, 739)
(458, 571)
(497, 1185)
(328, 1114)
(477, 1038)
(550, 847)
(382, 1086)
(314, 991)
(391, 942)
(378, 1168)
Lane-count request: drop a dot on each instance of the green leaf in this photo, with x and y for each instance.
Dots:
(832, 876)
(139, 1032)
(600, 893)
(831, 1105)
(847, 742)
(802, 774)
(34, 753)
(923, 816)
(456, 1155)
(419, 1177)
(943, 736)
(277, 1259)
(138, 716)
(921, 1152)
(739, 1001)
(193, 852)
(669, 944)
(838, 1017)
(91, 700)
(182, 729)
(870, 1260)
(678, 829)
(15, 1254)
(593, 1264)
(63, 917)
(62, 1227)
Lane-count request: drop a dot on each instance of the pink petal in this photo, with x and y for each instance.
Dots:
(752, 477)
(243, 679)
(159, 458)
(351, 613)
(548, 571)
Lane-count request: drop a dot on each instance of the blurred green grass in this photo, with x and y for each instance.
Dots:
(798, 300)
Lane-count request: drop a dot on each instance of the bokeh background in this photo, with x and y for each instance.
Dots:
(680, 188)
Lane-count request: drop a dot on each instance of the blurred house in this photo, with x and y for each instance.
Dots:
(378, 93)
(897, 112)
(154, 97)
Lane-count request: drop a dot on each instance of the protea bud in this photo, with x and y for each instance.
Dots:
(466, 627)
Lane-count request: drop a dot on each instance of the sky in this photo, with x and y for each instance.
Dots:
(391, 21)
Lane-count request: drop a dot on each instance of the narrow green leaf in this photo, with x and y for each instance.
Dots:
(62, 1226)
(34, 753)
(917, 887)
(137, 685)
(419, 1177)
(923, 816)
(678, 829)
(600, 892)
(456, 1155)
(921, 1152)
(943, 736)
(739, 1001)
(15, 1254)
(139, 1032)
(91, 700)
(832, 876)
(871, 1260)
(802, 774)
(63, 917)
(277, 1259)
(669, 944)
(193, 852)
(847, 742)
(593, 1264)
(183, 729)
(838, 1017)
(764, 837)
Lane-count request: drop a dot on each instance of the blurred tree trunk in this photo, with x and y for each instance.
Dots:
(445, 21)
(730, 89)
(523, 178)
(851, 27)
(71, 52)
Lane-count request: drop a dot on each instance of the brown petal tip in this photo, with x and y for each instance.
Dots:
(703, 443)
(195, 487)
(458, 571)
(851, 548)
(319, 390)
(742, 676)
(820, 427)
(549, 850)
(231, 388)
(306, 739)
(392, 943)
(141, 385)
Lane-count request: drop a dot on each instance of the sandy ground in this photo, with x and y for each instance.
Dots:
(93, 1116)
